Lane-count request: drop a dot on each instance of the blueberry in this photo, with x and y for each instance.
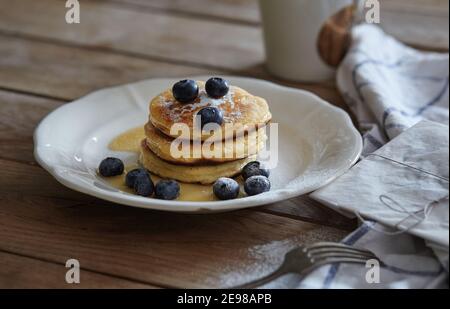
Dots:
(217, 87)
(111, 167)
(167, 190)
(130, 179)
(226, 189)
(185, 91)
(256, 185)
(254, 169)
(210, 115)
(143, 185)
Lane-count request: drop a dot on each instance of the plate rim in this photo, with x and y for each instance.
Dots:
(208, 206)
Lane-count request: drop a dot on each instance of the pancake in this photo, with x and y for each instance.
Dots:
(239, 108)
(234, 149)
(205, 174)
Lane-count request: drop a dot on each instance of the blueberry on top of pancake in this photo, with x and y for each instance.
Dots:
(185, 91)
(217, 87)
(237, 106)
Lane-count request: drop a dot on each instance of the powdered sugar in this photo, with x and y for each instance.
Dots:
(205, 100)
(260, 260)
(176, 113)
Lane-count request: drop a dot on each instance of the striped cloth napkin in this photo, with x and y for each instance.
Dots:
(390, 88)
(404, 188)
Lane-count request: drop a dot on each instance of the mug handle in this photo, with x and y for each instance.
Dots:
(335, 35)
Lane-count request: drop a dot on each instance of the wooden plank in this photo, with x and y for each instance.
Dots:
(81, 71)
(248, 11)
(243, 11)
(20, 115)
(139, 33)
(420, 23)
(69, 72)
(420, 31)
(306, 209)
(32, 180)
(417, 7)
(163, 249)
(34, 219)
(20, 272)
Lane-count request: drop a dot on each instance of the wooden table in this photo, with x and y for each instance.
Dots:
(45, 63)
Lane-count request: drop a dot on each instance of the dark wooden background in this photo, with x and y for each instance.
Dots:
(45, 63)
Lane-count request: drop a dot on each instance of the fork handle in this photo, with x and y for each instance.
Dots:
(261, 281)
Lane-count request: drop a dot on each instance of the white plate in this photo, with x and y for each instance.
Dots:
(317, 142)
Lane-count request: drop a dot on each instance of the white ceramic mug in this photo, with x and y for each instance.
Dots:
(291, 30)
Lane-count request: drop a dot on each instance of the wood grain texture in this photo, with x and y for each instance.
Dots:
(145, 34)
(420, 23)
(69, 72)
(19, 116)
(429, 32)
(235, 11)
(306, 209)
(20, 272)
(163, 249)
(247, 10)
(44, 63)
(417, 7)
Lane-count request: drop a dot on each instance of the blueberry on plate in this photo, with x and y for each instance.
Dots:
(143, 185)
(185, 91)
(167, 190)
(131, 177)
(210, 114)
(254, 169)
(110, 167)
(226, 189)
(256, 185)
(217, 87)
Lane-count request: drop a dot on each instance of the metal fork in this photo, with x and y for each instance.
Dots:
(303, 260)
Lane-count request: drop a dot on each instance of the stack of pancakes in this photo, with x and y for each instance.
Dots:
(248, 113)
